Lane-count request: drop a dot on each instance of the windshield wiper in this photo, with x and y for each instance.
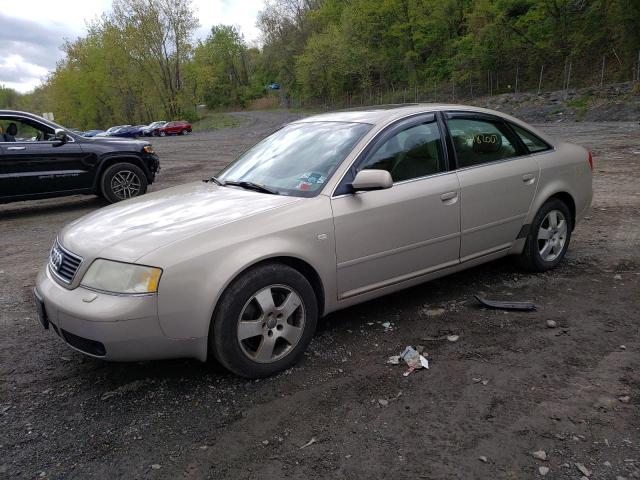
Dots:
(215, 180)
(252, 186)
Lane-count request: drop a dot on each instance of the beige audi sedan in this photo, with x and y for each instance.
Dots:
(327, 212)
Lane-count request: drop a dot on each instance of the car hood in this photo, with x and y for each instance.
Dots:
(133, 145)
(129, 230)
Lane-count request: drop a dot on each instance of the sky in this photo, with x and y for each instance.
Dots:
(31, 31)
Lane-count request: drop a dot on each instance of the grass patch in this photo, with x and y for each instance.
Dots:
(216, 121)
(580, 104)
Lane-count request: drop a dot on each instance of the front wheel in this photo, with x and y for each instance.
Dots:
(122, 181)
(183, 132)
(264, 321)
(548, 238)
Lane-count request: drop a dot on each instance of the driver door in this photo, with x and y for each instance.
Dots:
(30, 166)
(384, 237)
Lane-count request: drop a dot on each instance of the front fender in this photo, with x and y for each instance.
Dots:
(197, 270)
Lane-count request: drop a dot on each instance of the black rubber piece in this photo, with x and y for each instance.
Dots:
(523, 306)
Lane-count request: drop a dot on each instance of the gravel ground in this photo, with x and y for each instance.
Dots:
(508, 387)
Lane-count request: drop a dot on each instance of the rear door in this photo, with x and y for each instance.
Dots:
(387, 236)
(498, 181)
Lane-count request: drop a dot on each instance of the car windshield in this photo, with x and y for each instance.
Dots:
(297, 159)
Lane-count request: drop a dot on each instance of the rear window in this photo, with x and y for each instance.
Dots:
(532, 142)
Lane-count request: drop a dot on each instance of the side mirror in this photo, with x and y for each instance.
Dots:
(60, 135)
(367, 180)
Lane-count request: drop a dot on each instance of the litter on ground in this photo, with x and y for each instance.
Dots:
(412, 358)
(523, 306)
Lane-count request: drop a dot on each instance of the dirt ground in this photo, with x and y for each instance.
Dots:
(508, 387)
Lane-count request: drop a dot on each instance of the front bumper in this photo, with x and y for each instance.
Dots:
(111, 327)
(152, 162)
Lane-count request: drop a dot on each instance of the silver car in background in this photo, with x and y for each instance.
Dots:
(327, 212)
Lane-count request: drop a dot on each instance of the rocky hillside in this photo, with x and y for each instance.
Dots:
(615, 102)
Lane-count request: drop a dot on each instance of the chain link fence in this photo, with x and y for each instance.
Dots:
(470, 85)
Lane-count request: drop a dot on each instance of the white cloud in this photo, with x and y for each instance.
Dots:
(19, 74)
(229, 12)
(33, 30)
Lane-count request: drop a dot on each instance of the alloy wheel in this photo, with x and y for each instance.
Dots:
(552, 235)
(125, 184)
(271, 323)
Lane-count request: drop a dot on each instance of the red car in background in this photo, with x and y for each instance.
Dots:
(180, 127)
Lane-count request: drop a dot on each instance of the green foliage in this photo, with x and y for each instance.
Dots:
(389, 45)
(138, 64)
(224, 67)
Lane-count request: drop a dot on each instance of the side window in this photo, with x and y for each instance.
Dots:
(14, 130)
(480, 141)
(532, 142)
(411, 153)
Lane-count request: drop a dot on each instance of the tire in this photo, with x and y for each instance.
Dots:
(541, 254)
(264, 350)
(183, 132)
(163, 133)
(122, 181)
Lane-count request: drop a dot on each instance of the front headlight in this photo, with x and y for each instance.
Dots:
(148, 148)
(118, 277)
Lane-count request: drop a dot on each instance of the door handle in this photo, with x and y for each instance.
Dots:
(529, 178)
(449, 198)
(16, 148)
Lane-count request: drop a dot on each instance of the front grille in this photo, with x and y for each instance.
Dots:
(62, 263)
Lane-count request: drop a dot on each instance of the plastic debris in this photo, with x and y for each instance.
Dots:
(309, 443)
(388, 326)
(414, 360)
(453, 338)
(394, 360)
(524, 306)
(584, 470)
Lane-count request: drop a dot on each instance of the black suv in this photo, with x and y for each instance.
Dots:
(39, 159)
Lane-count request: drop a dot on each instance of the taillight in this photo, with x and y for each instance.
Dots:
(590, 161)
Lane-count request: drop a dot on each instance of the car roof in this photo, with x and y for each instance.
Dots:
(380, 115)
(386, 113)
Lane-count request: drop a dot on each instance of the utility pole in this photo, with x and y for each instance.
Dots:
(602, 72)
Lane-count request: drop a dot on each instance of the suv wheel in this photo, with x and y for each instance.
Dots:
(122, 181)
(549, 237)
(264, 321)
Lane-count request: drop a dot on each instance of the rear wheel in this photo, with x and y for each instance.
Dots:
(548, 238)
(122, 181)
(163, 133)
(264, 321)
